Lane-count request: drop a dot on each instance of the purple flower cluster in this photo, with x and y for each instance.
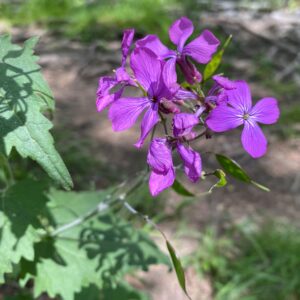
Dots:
(226, 105)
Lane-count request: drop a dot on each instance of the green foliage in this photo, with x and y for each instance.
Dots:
(181, 190)
(261, 264)
(24, 95)
(216, 61)
(92, 19)
(99, 251)
(222, 180)
(236, 171)
(21, 207)
(178, 268)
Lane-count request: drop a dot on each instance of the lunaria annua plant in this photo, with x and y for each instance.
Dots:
(195, 114)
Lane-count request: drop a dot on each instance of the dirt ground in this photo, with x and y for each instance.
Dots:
(72, 71)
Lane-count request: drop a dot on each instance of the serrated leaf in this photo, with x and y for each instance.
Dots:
(99, 251)
(178, 268)
(236, 171)
(120, 292)
(181, 190)
(24, 95)
(20, 209)
(214, 64)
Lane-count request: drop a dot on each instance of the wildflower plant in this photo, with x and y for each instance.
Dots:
(71, 245)
(187, 110)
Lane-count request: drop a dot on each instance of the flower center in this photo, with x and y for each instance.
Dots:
(154, 99)
(246, 116)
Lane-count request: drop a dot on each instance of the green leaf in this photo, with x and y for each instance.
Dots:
(222, 180)
(24, 95)
(21, 208)
(122, 291)
(99, 251)
(181, 190)
(236, 171)
(214, 64)
(178, 268)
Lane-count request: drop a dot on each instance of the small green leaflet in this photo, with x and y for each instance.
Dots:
(24, 95)
(178, 268)
(181, 190)
(222, 180)
(236, 171)
(214, 64)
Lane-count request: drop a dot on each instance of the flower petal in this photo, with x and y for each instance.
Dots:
(104, 97)
(183, 123)
(254, 140)
(224, 118)
(265, 111)
(170, 75)
(202, 48)
(224, 82)
(146, 68)
(128, 35)
(183, 94)
(153, 43)
(180, 31)
(124, 112)
(192, 162)
(240, 97)
(161, 181)
(189, 70)
(160, 155)
(150, 119)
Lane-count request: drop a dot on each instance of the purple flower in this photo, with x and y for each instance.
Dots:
(218, 93)
(150, 73)
(200, 49)
(162, 169)
(160, 155)
(239, 111)
(121, 79)
(183, 125)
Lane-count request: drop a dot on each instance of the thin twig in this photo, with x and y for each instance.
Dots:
(100, 208)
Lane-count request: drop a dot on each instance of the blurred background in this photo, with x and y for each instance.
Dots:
(238, 242)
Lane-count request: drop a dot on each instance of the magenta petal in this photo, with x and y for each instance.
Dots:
(189, 70)
(161, 181)
(192, 162)
(150, 119)
(122, 75)
(169, 74)
(124, 112)
(146, 68)
(224, 118)
(254, 140)
(183, 123)
(128, 35)
(183, 94)
(265, 111)
(153, 43)
(104, 97)
(160, 155)
(224, 82)
(180, 31)
(202, 48)
(240, 97)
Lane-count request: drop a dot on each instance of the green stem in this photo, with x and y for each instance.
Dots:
(100, 208)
